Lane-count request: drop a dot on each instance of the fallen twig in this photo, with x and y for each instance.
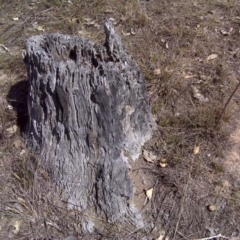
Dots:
(5, 48)
(226, 104)
(213, 237)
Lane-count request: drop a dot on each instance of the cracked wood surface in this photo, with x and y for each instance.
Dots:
(88, 111)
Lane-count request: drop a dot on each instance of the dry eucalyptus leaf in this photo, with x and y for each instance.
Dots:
(17, 225)
(163, 165)
(17, 143)
(149, 156)
(133, 32)
(211, 57)
(92, 23)
(149, 193)
(84, 33)
(113, 20)
(198, 95)
(87, 19)
(9, 107)
(12, 129)
(109, 10)
(70, 238)
(186, 76)
(157, 71)
(97, 26)
(162, 234)
(224, 33)
(74, 20)
(22, 152)
(212, 208)
(125, 34)
(167, 47)
(196, 150)
(161, 237)
(40, 28)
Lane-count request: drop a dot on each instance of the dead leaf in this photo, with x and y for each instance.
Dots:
(17, 143)
(212, 208)
(123, 18)
(87, 19)
(84, 33)
(113, 20)
(198, 95)
(40, 28)
(211, 57)
(109, 10)
(74, 20)
(157, 71)
(224, 33)
(17, 225)
(186, 76)
(97, 26)
(149, 193)
(167, 45)
(196, 149)
(125, 34)
(12, 129)
(90, 22)
(133, 32)
(163, 165)
(15, 18)
(149, 156)
(22, 152)
(5, 48)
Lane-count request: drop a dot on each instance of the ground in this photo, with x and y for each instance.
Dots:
(189, 53)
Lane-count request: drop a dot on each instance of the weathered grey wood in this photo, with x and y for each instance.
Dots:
(88, 115)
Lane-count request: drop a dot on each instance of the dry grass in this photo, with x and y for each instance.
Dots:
(175, 37)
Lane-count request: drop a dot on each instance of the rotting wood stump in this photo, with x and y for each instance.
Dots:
(88, 116)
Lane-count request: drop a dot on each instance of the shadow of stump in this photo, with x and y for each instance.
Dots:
(17, 98)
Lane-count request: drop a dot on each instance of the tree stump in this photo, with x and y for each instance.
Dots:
(88, 118)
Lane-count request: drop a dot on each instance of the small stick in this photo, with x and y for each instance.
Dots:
(226, 104)
(5, 48)
(212, 237)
